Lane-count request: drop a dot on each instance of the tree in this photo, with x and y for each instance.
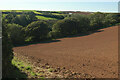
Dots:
(25, 19)
(21, 20)
(101, 20)
(96, 20)
(16, 33)
(10, 16)
(109, 20)
(37, 30)
(84, 22)
(66, 27)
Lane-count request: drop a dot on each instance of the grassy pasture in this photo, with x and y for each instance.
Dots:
(37, 14)
(45, 18)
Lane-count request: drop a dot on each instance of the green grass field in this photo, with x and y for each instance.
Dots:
(45, 18)
(39, 17)
(37, 12)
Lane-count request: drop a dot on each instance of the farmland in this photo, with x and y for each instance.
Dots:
(45, 18)
(94, 54)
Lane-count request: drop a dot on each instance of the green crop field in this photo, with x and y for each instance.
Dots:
(45, 18)
(37, 12)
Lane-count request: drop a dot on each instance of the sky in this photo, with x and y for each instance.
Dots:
(2, 1)
(55, 5)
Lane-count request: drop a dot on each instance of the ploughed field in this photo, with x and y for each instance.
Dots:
(95, 54)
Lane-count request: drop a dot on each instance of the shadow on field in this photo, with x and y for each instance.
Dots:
(84, 34)
(41, 42)
(50, 41)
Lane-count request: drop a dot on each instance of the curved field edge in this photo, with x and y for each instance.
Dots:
(26, 66)
(35, 69)
(106, 32)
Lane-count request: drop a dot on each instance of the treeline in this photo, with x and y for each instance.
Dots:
(26, 28)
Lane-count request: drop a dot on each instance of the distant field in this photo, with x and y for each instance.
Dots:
(45, 18)
(57, 14)
(37, 12)
(39, 15)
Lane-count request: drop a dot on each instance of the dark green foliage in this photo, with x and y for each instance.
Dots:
(16, 33)
(37, 30)
(77, 23)
(84, 22)
(25, 19)
(7, 54)
(8, 70)
(53, 34)
(96, 20)
(72, 25)
(22, 19)
(51, 23)
(9, 18)
(101, 20)
(66, 27)
(109, 20)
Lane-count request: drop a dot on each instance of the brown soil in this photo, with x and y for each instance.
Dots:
(95, 54)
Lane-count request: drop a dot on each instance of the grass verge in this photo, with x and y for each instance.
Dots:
(24, 67)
